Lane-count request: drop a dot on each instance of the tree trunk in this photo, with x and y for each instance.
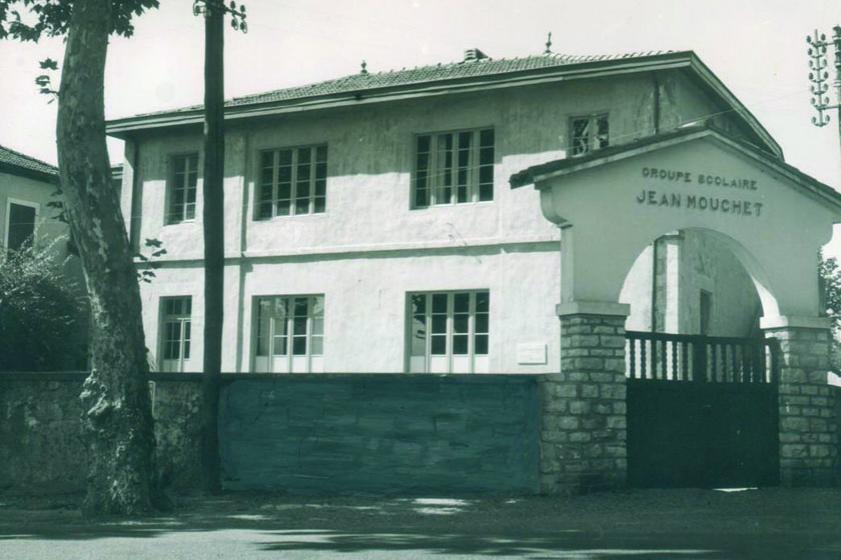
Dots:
(214, 247)
(117, 421)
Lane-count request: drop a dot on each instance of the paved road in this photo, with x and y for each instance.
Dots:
(634, 525)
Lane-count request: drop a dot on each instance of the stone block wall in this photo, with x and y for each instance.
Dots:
(808, 422)
(583, 423)
(41, 450)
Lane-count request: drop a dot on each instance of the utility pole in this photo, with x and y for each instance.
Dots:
(819, 75)
(213, 225)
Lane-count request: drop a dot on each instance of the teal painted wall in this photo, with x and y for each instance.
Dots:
(381, 433)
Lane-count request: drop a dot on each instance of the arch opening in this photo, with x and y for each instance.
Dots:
(697, 281)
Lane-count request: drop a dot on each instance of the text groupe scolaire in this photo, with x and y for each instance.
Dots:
(727, 205)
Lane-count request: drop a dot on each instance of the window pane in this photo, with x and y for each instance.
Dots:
(438, 345)
(602, 132)
(318, 306)
(439, 303)
(285, 157)
(423, 143)
(482, 301)
(580, 136)
(280, 326)
(279, 345)
(460, 344)
(299, 346)
(482, 323)
(317, 346)
(439, 324)
(481, 342)
(283, 208)
(267, 162)
(460, 323)
(419, 303)
(418, 335)
(486, 138)
(461, 302)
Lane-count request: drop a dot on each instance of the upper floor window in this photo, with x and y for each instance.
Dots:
(449, 332)
(289, 334)
(20, 224)
(292, 181)
(184, 172)
(589, 132)
(453, 168)
(176, 315)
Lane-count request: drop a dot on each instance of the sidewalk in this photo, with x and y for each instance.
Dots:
(639, 524)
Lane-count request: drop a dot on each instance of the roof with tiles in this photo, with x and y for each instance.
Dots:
(18, 161)
(422, 74)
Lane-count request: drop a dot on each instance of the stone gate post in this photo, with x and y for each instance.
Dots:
(583, 425)
(808, 427)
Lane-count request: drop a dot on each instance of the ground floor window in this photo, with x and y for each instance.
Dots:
(175, 332)
(448, 332)
(289, 334)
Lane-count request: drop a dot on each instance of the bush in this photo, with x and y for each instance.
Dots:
(43, 325)
(830, 280)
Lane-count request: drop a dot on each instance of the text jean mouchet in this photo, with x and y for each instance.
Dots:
(696, 201)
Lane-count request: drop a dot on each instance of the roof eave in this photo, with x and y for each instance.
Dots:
(713, 82)
(34, 174)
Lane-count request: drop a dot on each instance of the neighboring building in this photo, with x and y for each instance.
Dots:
(27, 186)
(370, 226)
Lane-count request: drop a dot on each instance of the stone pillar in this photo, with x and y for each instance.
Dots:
(583, 426)
(808, 427)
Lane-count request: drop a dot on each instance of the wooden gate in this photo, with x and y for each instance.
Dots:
(702, 411)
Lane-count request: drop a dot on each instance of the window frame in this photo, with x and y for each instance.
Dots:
(289, 319)
(293, 188)
(8, 222)
(592, 139)
(170, 188)
(473, 167)
(183, 341)
(450, 333)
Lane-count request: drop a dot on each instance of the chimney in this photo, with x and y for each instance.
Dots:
(472, 55)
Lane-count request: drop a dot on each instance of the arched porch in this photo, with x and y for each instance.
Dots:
(611, 205)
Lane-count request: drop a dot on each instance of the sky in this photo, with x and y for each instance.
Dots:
(756, 47)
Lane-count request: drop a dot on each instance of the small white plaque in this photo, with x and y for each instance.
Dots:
(531, 353)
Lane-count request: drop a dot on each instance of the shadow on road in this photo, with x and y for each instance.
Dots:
(764, 524)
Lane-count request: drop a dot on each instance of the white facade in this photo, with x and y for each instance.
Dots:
(369, 251)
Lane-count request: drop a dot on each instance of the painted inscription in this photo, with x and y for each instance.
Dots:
(725, 205)
(700, 202)
(698, 178)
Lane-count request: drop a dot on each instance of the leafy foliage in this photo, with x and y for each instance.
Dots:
(29, 20)
(830, 277)
(42, 313)
(146, 274)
